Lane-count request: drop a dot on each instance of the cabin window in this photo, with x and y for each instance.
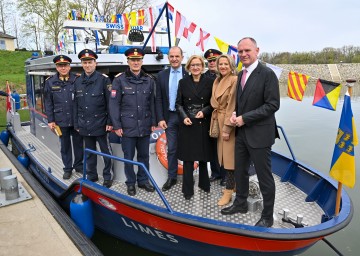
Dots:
(39, 93)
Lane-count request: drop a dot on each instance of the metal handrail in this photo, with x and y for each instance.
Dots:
(129, 162)
(287, 142)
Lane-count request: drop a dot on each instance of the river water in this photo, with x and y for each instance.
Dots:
(312, 132)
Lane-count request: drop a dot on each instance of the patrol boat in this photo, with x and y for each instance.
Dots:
(164, 222)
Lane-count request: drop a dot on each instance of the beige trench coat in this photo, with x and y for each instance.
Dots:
(223, 100)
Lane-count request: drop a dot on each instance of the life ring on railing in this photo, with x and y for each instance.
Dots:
(161, 153)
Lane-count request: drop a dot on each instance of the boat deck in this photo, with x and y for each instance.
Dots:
(202, 204)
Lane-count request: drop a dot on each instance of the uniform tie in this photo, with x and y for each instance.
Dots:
(243, 78)
(173, 90)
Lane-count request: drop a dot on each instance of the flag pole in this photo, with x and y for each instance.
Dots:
(349, 84)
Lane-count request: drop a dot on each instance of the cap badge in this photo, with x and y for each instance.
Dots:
(87, 54)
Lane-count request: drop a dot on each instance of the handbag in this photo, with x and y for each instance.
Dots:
(214, 128)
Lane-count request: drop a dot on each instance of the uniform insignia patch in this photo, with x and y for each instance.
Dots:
(109, 86)
(113, 93)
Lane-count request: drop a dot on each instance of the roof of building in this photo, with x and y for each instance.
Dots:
(3, 35)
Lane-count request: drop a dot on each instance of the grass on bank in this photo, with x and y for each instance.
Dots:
(12, 68)
(24, 114)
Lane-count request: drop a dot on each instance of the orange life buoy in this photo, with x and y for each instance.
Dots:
(161, 153)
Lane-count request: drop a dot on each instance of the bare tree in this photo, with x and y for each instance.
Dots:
(51, 12)
(6, 8)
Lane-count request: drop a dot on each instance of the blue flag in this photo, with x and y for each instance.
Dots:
(343, 161)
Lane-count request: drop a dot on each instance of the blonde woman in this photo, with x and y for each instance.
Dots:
(194, 142)
(223, 100)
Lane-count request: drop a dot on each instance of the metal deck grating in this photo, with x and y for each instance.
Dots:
(201, 204)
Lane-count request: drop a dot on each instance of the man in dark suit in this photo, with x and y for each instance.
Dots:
(258, 99)
(167, 117)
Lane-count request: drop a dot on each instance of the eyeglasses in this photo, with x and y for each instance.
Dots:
(195, 65)
(211, 61)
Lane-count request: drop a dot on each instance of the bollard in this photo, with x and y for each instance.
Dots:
(4, 172)
(286, 214)
(299, 218)
(11, 187)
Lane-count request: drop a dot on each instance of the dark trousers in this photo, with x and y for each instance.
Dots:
(90, 143)
(171, 138)
(188, 177)
(141, 144)
(262, 162)
(216, 170)
(67, 150)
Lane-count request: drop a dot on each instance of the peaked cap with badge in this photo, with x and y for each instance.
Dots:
(87, 54)
(62, 59)
(212, 54)
(134, 53)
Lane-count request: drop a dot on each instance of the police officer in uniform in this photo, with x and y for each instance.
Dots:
(217, 172)
(132, 110)
(59, 102)
(92, 91)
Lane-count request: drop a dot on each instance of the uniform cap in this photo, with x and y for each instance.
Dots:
(134, 53)
(62, 59)
(212, 54)
(87, 54)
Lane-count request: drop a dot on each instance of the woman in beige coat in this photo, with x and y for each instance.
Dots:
(223, 101)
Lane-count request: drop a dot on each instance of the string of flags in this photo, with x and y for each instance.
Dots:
(326, 93)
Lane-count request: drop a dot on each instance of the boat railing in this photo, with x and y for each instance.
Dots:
(141, 165)
(287, 142)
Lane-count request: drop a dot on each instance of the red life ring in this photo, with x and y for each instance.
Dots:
(161, 153)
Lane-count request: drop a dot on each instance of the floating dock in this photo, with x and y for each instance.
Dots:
(38, 225)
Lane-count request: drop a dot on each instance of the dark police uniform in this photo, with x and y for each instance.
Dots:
(132, 109)
(91, 116)
(59, 102)
(217, 172)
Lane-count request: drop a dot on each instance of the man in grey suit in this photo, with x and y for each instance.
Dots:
(258, 98)
(167, 117)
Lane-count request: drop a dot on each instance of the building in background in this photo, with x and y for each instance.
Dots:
(7, 42)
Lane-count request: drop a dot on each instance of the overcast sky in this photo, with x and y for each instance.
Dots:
(277, 25)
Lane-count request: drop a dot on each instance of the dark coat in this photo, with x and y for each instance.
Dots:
(59, 100)
(91, 104)
(162, 94)
(194, 142)
(132, 104)
(257, 104)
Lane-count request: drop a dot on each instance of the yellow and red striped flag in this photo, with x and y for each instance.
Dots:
(296, 85)
(141, 17)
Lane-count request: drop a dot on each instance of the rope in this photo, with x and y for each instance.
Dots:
(332, 247)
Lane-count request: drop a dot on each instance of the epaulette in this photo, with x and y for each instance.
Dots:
(77, 74)
(105, 75)
(150, 75)
(118, 74)
(48, 78)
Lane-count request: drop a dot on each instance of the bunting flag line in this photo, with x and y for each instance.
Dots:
(277, 70)
(141, 17)
(133, 19)
(223, 47)
(170, 12)
(152, 41)
(343, 161)
(180, 22)
(326, 94)
(126, 22)
(203, 39)
(189, 30)
(296, 85)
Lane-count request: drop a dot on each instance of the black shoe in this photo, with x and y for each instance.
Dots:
(67, 175)
(223, 183)
(168, 184)
(95, 179)
(80, 170)
(147, 186)
(212, 178)
(234, 209)
(207, 190)
(131, 190)
(266, 223)
(107, 183)
(188, 197)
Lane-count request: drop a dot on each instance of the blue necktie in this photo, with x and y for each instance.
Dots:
(173, 90)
